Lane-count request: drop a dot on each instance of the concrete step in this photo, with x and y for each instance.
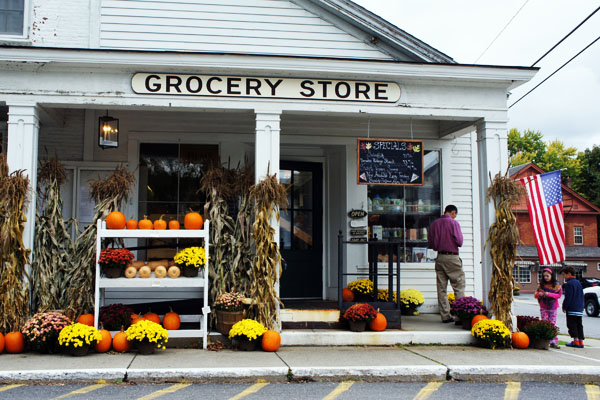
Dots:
(302, 315)
(333, 337)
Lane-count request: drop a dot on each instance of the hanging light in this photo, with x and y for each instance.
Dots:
(108, 132)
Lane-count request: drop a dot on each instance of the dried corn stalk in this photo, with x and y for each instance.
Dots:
(14, 293)
(267, 195)
(503, 237)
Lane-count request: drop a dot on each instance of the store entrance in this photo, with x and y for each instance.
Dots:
(301, 231)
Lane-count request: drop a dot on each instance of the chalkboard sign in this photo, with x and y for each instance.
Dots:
(390, 162)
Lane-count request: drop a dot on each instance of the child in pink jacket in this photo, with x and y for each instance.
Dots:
(547, 294)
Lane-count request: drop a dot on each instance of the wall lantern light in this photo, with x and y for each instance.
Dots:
(108, 132)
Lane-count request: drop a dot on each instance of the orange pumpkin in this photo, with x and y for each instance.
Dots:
(160, 224)
(1, 343)
(174, 224)
(116, 220)
(104, 344)
(86, 319)
(379, 323)
(120, 342)
(520, 340)
(271, 341)
(171, 321)
(347, 295)
(131, 224)
(14, 342)
(145, 223)
(136, 318)
(193, 220)
(478, 318)
(150, 316)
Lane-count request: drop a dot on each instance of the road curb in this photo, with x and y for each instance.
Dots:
(404, 373)
(64, 375)
(525, 373)
(208, 374)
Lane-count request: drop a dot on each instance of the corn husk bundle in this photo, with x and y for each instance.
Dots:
(503, 237)
(14, 293)
(51, 265)
(108, 194)
(268, 195)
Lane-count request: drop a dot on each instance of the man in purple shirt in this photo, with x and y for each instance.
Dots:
(445, 237)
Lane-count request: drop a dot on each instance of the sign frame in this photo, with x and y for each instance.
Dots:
(412, 141)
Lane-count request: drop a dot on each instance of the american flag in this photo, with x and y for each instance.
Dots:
(545, 204)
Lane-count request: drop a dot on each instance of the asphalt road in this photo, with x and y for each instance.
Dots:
(526, 304)
(306, 391)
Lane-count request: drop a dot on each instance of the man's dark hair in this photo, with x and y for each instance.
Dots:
(567, 270)
(450, 208)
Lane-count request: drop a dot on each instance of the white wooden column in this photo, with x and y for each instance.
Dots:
(492, 147)
(22, 154)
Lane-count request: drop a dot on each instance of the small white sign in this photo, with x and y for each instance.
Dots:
(206, 310)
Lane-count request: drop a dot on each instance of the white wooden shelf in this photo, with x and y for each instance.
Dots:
(201, 281)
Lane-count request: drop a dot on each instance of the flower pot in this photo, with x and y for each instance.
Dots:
(189, 271)
(111, 271)
(78, 351)
(361, 298)
(408, 310)
(466, 324)
(146, 348)
(248, 345)
(358, 326)
(226, 319)
(540, 344)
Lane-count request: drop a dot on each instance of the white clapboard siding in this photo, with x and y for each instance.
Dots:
(67, 140)
(275, 27)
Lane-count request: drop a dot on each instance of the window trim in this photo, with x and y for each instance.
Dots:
(24, 36)
(575, 236)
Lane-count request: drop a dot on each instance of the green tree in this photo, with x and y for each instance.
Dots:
(557, 156)
(588, 183)
(526, 147)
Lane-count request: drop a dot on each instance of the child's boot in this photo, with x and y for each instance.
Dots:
(572, 344)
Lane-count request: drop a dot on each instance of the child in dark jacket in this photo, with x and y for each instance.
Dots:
(573, 306)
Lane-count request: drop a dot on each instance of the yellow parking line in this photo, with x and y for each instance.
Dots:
(161, 392)
(593, 392)
(252, 389)
(512, 390)
(341, 388)
(83, 390)
(428, 390)
(8, 387)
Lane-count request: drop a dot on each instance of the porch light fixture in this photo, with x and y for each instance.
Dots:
(108, 132)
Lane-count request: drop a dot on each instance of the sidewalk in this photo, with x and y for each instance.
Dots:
(327, 363)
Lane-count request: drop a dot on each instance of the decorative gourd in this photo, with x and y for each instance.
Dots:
(86, 319)
(172, 262)
(347, 295)
(138, 264)
(379, 323)
(131, 224)
(160, 224)
(174, 271)
(154, 264)
(193, 220)
(171, 320)
(116, 220)
(271, 341)
(160, 271)
(478, 318)
(120, 342)
(150, 316)
(130, 272)
(145, 223)
(174, 224)
(135, 318)
(104, 344)
(145, 272)
(14, 342)
(520, 340)
(1, 343)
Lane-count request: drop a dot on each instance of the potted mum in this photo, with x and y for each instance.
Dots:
(410, 300)
(114, 316)
(491, 333)
(247, 333)
(362, 289)
(147, 336)
(358, 315)
(465, 308)
(384, 295)
(191, 260)
(540, 333)
(114, 261)
(41, 331)
(230, 309)
(79, 338)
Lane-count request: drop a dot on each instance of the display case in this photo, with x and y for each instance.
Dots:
(403, 213)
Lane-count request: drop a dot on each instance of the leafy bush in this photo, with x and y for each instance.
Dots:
(541, 330)
(115, 316)
(523, 320)
(360, 312)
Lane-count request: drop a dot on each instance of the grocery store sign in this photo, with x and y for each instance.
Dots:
(261, 87)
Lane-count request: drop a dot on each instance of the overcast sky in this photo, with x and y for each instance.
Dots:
(567, 106)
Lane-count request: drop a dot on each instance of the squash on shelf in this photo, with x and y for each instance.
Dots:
(160, 224)
(160, 271)
(116, 220)
(138, 264)
(145, 272)
(193, 220)
(145, 223)
(174, 271)
(130, 272)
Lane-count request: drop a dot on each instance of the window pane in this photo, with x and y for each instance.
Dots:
(15, 5)
(158, 172)
(285, 177)
(303, 234)
(303, 193)
(285, 234)
(194, 160)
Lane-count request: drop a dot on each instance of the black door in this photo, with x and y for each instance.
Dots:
(301, 231)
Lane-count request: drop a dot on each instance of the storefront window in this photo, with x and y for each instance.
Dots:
(403, 213)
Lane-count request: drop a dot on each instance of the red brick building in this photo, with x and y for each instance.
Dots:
(581, 234)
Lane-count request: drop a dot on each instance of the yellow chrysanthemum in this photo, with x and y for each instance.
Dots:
(493, 332)
(411, 297)
(364, 286)
(191, 257)
(148, 331)
(247, 327)
(77, 335)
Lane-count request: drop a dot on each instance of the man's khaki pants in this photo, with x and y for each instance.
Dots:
(448, 267)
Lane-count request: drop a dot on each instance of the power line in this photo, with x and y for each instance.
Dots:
(561, 67)
(569, 34)
(500, 33)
